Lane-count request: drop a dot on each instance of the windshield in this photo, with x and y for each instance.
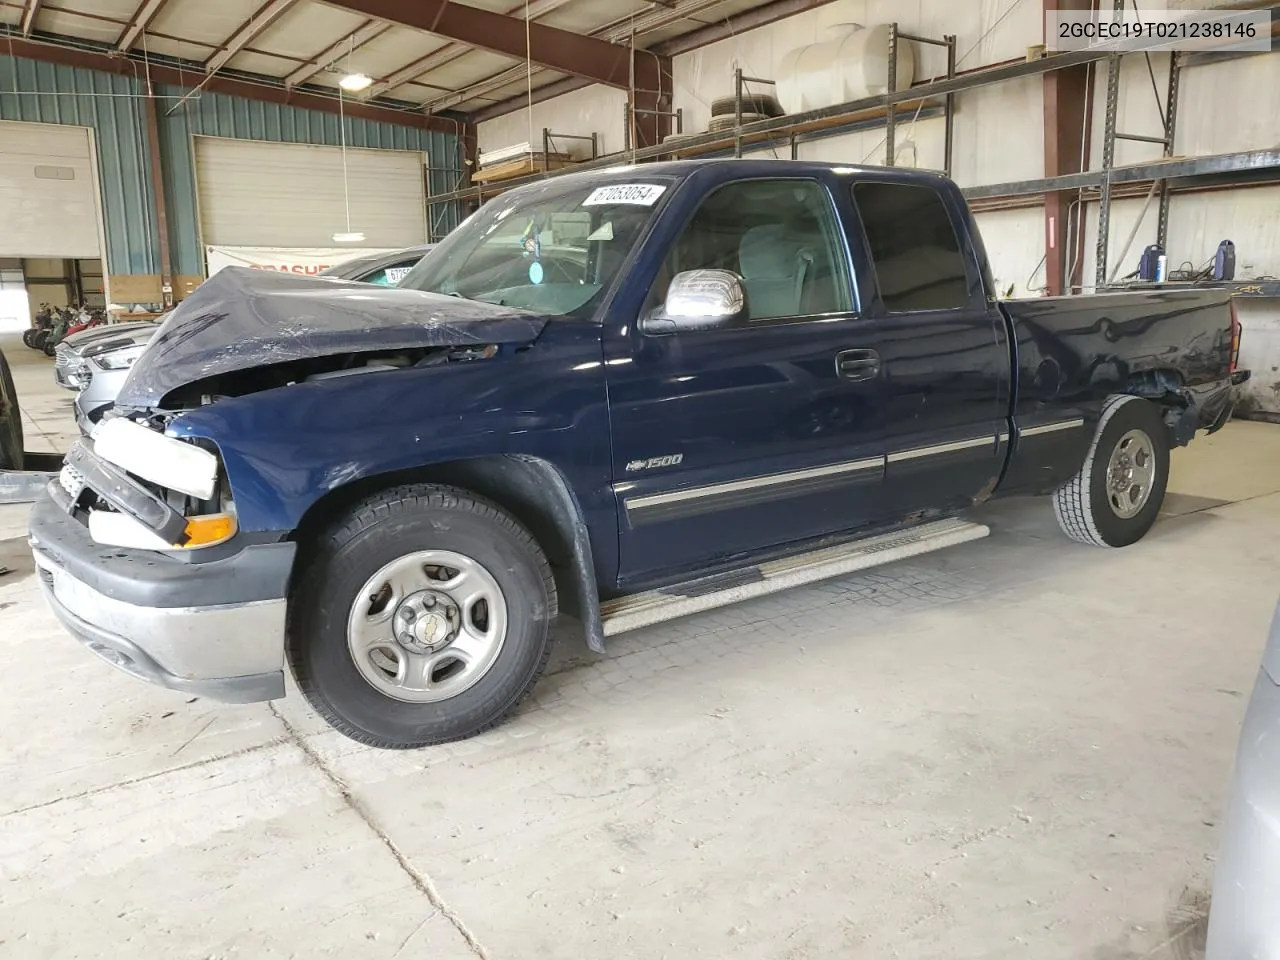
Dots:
(550, 251)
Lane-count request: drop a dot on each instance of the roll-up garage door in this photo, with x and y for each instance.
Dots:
(48, 192)
(259, 194)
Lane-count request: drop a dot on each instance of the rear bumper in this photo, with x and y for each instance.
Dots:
(212, 629)
(1208, 407)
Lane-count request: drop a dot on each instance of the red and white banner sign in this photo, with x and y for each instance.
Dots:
(307, 261)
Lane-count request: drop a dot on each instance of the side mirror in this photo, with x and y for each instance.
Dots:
(700, 300)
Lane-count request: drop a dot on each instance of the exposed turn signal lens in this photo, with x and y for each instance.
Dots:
(210, 529)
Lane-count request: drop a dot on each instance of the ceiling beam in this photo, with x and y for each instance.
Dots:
(261, 90)
(262, 18)
(452, 51)
(733, 25)
(138, 23)
(619, 30)
(331, 54)
(29, 16)
(653, 20)
(572, 53)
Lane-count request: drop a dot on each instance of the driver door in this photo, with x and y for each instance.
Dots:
(735, 441)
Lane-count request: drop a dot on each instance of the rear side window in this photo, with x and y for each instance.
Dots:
(913, 245)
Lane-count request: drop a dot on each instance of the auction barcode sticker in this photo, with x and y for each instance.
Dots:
(1237, 30)
(636, 194)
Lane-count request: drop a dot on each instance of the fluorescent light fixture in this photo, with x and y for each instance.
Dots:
(355, 82)
(355, 237)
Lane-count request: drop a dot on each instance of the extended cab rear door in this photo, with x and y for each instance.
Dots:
(942, 346)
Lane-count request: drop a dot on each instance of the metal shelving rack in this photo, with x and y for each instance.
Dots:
(1168, 120)
(549, 139)
(1169, 172)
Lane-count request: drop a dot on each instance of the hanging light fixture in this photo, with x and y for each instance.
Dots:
(355, 82)
(348, 235)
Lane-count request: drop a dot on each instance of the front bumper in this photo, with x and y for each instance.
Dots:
(97, 396)
(211, 629)
(70, 370)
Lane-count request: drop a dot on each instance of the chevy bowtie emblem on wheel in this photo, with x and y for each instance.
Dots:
(670, 460)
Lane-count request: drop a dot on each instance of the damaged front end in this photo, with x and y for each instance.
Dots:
(141, 482)
(247, 330)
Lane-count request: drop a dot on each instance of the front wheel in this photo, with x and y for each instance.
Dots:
(424, 617)
(1115, 498)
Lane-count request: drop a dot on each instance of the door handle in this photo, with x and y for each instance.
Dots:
(857, 364)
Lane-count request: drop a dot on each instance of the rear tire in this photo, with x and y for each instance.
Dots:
(763, 104)
(1115, 498)
(390, 568)
(49, 348)
(27, 337)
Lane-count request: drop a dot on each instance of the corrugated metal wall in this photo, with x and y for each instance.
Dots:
(109, 104)
(211, 114)
(48, 93)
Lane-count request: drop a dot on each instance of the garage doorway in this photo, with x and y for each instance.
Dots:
(29, 284)
(253, 193)
(51, 244)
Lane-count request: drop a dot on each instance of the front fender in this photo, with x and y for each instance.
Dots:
(285, 448)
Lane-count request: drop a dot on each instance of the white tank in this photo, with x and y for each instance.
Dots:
(852, 62)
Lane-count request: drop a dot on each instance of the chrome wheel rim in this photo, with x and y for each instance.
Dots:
(427, 626)
(1131, 474)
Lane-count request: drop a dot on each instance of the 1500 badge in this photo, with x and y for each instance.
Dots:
(670, 460)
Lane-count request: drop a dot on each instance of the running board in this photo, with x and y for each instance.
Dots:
(682, 599)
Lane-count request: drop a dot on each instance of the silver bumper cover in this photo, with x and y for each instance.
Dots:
(231, 652)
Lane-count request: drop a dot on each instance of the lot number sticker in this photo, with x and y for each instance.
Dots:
(636, 194)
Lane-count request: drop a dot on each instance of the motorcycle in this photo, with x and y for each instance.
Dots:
(88, 318)
(47, 339)
(41, 323)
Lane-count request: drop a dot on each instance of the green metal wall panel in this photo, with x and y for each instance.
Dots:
(217, 115)
(50, 93)
(112, 106)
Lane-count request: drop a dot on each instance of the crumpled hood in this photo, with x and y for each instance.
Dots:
(240, 318)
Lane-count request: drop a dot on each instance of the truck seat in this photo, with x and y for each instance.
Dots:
(774, 264)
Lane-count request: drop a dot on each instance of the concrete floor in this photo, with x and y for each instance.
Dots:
(1015, 748)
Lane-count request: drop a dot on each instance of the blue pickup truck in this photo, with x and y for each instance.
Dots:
(630, 395)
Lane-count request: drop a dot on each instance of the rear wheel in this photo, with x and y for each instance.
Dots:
(425, 617)
(28, 337)
(1115, 498)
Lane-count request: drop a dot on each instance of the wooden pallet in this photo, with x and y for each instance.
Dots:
(522, 166)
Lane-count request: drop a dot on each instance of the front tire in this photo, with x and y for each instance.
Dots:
(423, 618)
(11, 454)
(1115, 498)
